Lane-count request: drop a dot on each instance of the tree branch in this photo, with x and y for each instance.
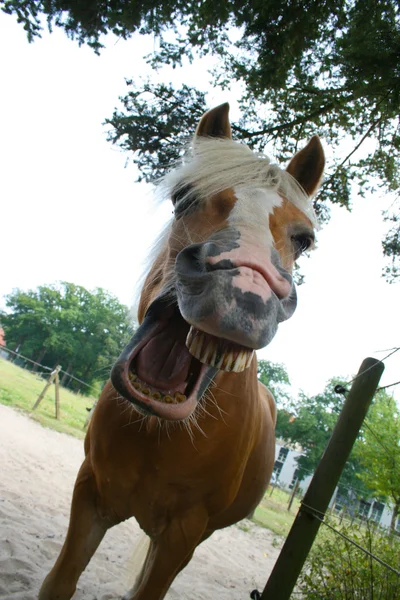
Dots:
(371, 128)
(289, 125)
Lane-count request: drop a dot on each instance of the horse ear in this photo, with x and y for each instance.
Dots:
(215, 123)
(307, 166)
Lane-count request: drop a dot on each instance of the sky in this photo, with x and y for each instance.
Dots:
(70, 208)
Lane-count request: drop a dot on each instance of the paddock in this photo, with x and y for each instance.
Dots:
(38, 470)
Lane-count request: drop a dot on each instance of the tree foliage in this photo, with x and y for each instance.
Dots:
(378, 451)
(157, 131)
(66, 324)
(336, 569)
(276, 378)
(309, 423)
(373, 469)
(329, 67)
(88, 21)
(304, 69)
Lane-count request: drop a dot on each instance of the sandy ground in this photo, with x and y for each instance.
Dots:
(37, 473)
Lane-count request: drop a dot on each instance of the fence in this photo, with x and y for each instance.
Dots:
(24, 361)
(312, 509)
(315, 503)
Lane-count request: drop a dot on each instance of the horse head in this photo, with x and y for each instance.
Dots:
(222, 279)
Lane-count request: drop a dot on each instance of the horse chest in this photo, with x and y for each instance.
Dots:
(153, 475)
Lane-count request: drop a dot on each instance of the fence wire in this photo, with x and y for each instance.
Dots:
(321, 517)
(342, 389)
(392, 351)
(48, 369)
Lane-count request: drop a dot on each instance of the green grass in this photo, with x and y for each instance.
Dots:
(273, 514)
(20, 389)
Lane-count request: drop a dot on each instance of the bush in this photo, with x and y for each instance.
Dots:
(336, 569)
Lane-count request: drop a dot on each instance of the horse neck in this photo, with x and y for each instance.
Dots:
(235, 394)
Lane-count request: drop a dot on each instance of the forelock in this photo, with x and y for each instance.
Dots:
(213, 165)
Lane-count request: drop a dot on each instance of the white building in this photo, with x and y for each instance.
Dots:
(286, 470)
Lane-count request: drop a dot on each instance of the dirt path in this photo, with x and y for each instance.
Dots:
(37, 473)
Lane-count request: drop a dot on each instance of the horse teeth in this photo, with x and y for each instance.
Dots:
(136, 385)
(249, 359)
(168, 399)
(180, 397)
(194, 342)
(156, 396)
(146, 391)
(214, 356)
(208, 353)
(131, 376)
(214, 352)
(230, 361)
(240, 362)
(191, 337)
(227, 361)
(219, 360)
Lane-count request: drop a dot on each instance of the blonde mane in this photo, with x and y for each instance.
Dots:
(215, 164)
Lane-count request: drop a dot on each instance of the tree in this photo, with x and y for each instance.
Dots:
(276, 378)
(311, 426)
(309, 66)
(378, 451)
(373, 468)
(304, 69)
(309, 423)
(66, 324)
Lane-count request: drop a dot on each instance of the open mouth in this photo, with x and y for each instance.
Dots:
(168, 365)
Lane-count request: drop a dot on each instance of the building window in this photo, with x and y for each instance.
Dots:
(283, 452)
(377, 510)
(294, 479)
(278, 468)
(363, 509)
(340, 502)
(397, 526)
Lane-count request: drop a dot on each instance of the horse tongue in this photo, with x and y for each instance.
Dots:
(164, 362)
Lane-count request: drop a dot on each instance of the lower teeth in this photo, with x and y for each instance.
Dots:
(142, 387)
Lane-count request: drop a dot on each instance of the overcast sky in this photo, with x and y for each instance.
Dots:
(70, 210)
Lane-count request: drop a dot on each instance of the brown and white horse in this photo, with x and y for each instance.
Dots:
(196, 450)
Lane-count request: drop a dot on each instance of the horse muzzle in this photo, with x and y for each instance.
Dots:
(223, 306)
(224, 292)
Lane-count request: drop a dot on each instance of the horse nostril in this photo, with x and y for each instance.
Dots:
(189, 259)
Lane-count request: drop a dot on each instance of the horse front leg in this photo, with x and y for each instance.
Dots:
(168, 554)
(85, 532)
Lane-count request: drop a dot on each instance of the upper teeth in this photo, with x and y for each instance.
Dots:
(215, 352)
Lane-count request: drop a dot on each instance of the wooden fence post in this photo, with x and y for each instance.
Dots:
(57, 386)
(293, 494)
(322, 486)
(51, 379)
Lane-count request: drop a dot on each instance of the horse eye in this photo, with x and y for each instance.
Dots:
(301, 243)
(183, 199)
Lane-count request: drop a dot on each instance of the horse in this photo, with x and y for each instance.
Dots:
(182, 437)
